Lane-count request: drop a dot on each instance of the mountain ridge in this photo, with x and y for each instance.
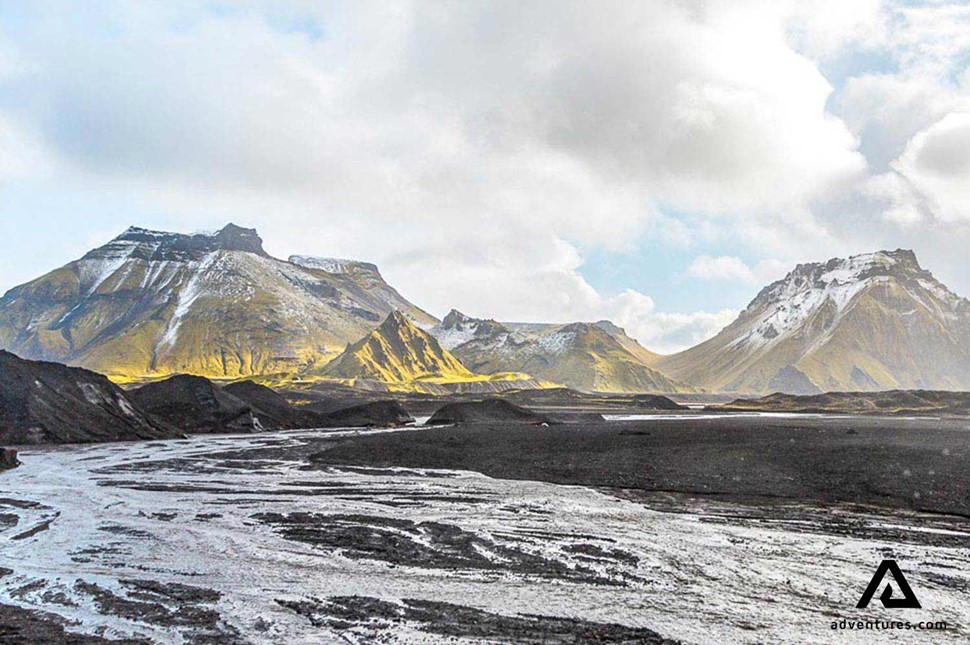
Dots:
(596, 357)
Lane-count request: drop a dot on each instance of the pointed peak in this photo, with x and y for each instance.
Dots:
(455, 319)
(396, 320)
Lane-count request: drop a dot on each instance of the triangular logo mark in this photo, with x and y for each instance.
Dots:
(908, 601)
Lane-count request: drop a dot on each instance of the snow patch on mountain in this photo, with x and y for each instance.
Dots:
(556, 342)
(330, 265)
(186, 298)
(786, 305)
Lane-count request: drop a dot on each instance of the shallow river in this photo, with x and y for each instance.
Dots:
(178, 541)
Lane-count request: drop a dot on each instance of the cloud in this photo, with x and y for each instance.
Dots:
(721, 268)
(936, 163)
(458, 108)
(727, 268)
(664, 332)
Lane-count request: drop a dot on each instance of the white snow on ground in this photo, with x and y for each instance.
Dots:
(702, 581)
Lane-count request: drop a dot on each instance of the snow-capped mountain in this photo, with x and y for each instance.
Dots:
(596, 357)
(870, 322)
(150, 303)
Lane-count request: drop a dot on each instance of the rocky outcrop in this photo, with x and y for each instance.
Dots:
(44, 403)
(488, 411)
(656, 402)
(271, 409)
(195, 404)
(8, 459)
(383, 414)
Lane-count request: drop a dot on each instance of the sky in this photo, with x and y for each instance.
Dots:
(654, 163)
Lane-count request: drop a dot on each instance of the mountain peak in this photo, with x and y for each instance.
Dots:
(146, 244)
(237, 238)
(396, 352)
(860, 267)
(455, 319)
(396, 320)
(610, 327)
(458, 328)
(838, 280)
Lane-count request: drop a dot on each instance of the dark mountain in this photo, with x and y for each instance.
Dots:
(195, 404)
(52, 403)
(270, 407)
(382, 414)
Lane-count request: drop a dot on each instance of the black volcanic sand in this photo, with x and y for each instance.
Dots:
(914, 464)
(19, 626)
(455, 621)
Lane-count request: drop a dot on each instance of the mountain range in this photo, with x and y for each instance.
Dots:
(594, 357)
(151, 304)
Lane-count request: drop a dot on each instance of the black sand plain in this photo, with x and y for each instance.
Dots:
(919, 464)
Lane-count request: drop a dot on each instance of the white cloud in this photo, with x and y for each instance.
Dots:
(728, 268)
(721, 268)
(664, 332)
(936, 164)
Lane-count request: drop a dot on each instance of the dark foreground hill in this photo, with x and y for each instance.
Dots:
(487, 411)
(274, 411)
(195, 404)
(52, 403)
(895, 402)
(366, 415)
(270, 407)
